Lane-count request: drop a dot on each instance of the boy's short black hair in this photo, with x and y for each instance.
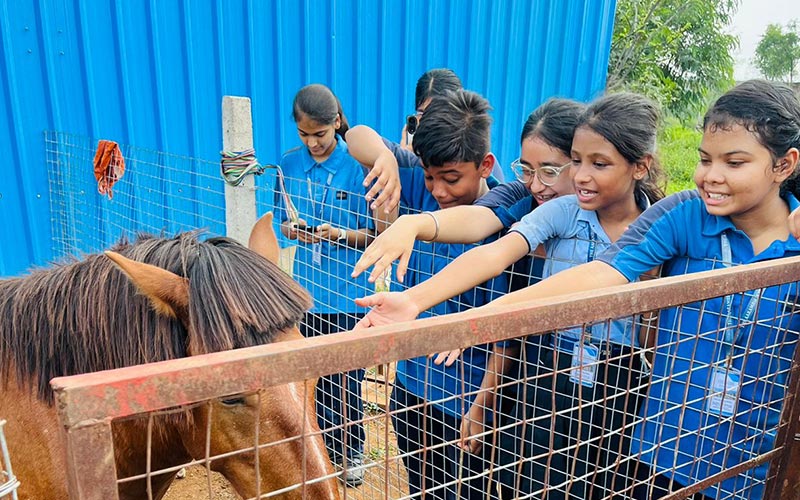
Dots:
(455, 128)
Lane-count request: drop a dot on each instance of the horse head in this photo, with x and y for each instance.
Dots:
(281, 413)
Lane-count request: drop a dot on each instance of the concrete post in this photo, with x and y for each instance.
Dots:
(237, 135)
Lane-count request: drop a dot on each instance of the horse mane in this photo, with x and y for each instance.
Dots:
(85, 316)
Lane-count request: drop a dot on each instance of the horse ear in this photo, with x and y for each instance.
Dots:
(263, 240)
(167, 292)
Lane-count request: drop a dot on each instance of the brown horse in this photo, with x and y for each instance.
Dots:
(175, 297)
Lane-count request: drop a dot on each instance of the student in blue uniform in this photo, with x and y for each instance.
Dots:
(546, 144)
(332, 220)
(452, 141)
(615, 176)
(692, 427)
(384, 157)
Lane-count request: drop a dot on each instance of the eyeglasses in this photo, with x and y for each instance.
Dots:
(547, 175)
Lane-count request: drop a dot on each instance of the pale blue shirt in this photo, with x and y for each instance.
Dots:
(572, 236)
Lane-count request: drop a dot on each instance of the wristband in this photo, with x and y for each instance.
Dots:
(436, 230)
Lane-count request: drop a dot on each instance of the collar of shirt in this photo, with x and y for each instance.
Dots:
(331, 165)
(717, 225)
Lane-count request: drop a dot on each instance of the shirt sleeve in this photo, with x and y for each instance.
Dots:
(510, 202)
(544, 223)
(404, 157)
(658, 235)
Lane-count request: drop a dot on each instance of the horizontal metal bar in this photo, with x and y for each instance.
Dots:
(137, 389)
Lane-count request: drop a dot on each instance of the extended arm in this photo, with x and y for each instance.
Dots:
(589, 276)
(467, 271)
(463, 224)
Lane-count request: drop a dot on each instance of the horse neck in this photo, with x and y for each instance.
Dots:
(131, 451)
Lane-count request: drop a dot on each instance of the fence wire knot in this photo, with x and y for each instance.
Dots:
(234, 165)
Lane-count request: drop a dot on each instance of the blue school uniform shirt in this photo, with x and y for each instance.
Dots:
(510, 202)
(328, 192)
(692, 444)
(443, 386)
(572, 236)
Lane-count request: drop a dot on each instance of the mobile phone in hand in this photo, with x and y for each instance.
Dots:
(307, 229)
(411, 128)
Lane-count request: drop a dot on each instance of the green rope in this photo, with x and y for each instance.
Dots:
(234, 166)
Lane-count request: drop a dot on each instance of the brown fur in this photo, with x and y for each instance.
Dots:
(202, 296)
(77, 317)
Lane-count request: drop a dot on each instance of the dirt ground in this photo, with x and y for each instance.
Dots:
(385, 476)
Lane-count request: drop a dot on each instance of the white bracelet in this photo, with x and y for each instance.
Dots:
(436, 231)
(342, 235)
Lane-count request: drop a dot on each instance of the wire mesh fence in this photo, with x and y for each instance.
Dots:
(671, 388)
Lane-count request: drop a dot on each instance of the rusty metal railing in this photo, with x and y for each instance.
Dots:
(88, 403)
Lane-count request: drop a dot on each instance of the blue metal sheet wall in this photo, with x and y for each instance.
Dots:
(152, 74)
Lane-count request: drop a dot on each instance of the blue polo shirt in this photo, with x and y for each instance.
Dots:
(443, 386)
(328, 192)
(510, 202)
(679, 437)
(572, 236)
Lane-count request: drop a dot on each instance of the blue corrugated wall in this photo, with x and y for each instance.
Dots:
(152, 74)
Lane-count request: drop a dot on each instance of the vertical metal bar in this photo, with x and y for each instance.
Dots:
(8, 482)
(91, 470)
(782, 482)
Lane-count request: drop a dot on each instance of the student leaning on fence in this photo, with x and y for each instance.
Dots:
(720, 369)
(330, 219)
(453, 143)
(615, 176)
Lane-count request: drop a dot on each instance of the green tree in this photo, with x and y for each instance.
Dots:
(778, 52)
(675, 51)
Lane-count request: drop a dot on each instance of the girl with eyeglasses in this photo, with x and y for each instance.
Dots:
(546, 145)
(615, 176)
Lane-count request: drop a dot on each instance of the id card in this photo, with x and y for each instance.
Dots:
(725, 386)
(316, 254)
(584, 364)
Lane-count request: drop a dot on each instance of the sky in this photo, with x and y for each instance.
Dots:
(750, 23)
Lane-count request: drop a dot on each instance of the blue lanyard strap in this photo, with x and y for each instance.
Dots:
(592, 250)
(733, 324)
(313, 201)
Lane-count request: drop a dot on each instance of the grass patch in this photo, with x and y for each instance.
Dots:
(678, 154)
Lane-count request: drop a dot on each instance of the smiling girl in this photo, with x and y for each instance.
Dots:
(738, 215)
(615, 177)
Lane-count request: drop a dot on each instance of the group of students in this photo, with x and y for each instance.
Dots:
(590, 415)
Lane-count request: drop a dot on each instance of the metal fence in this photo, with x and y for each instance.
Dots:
(558, 428)
(88, 403)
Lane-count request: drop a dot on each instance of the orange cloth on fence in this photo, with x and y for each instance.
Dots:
(109, 165)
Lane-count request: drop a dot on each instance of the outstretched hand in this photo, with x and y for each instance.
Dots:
(387, 308)
(386, 187)
(396, 242)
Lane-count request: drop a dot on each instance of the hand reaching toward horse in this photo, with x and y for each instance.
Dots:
(387, 308)
(396, 242)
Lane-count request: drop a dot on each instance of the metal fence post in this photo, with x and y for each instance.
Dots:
(91, 469)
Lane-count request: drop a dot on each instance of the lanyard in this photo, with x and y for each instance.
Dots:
(592, 250)
(732, 329)
(313, 201)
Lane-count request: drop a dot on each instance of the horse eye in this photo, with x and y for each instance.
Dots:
(232, 401)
